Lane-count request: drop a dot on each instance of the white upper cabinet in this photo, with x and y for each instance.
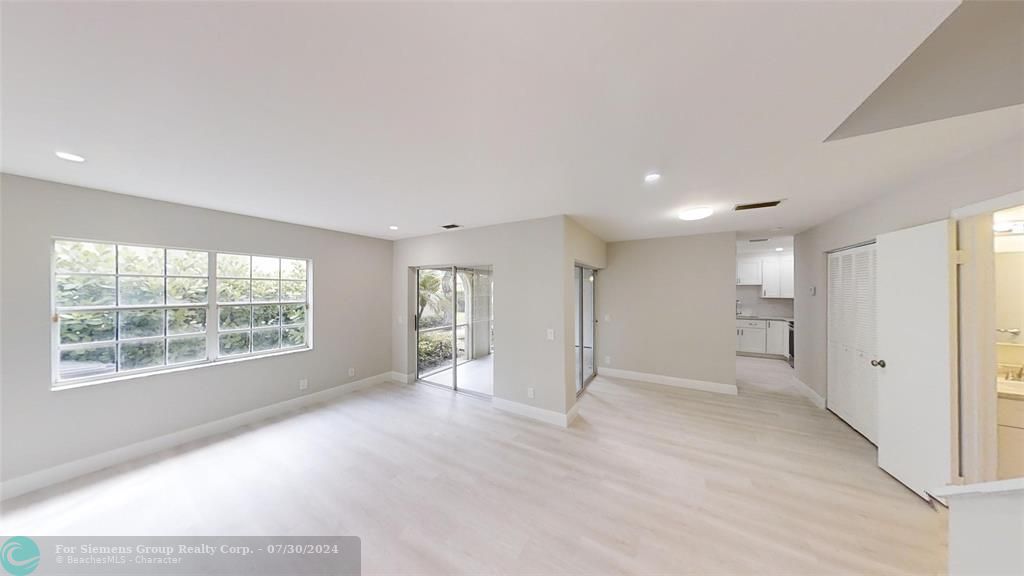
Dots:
(771, 283)
(786, 276)
(773, 273)
(748, 271)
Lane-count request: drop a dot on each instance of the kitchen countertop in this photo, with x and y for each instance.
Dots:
(764, 318)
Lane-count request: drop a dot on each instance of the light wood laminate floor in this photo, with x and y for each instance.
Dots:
(648, 479)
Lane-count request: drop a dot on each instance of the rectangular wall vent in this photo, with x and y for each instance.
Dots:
(450, 226)
(757, 205)
(758, 240)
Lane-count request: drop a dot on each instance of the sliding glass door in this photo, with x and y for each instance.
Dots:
(434, 323)
(454, 328)
(585, 279)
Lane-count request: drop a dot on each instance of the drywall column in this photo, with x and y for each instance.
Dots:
(526, 259)
(986, 528)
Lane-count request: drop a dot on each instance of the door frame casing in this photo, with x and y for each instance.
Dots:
(977, 422)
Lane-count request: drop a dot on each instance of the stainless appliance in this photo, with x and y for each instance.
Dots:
(792, 344)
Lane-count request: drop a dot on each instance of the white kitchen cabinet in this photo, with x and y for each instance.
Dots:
(786, 276)
(771, 285)
(748, 271)
(777, 338)
(751, 336)
(752, 340)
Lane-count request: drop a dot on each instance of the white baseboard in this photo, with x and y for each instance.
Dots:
(809, 392)
(400, 377)
(703, 385)
(573, 413)
(541, 414)
(50, 476)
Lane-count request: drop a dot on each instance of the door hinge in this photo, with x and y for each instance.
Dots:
(960, 257)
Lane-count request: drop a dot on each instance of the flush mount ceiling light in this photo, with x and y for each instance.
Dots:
(778, 249)
(69, 156)
(652, 177)
(696, 213)
(392, 227)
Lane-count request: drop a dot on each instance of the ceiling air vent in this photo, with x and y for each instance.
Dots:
(757, 205)
(758, 240)
(451, 226)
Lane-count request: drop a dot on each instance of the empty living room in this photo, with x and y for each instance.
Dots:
(527, 288)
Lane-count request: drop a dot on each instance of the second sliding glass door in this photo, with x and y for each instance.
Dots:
(585, 321)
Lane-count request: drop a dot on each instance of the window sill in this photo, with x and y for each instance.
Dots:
(61, 386)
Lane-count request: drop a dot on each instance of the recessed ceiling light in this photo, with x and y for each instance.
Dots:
(652, 177)
(1003, 227)
(392, 227)
(69, 156)
(778, 249)
(697, 213)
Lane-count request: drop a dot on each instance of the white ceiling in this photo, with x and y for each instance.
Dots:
(355, 117)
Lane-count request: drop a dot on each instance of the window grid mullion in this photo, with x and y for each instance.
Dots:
(213, 312)
(117, 302)
(212, 306)
(166, 314)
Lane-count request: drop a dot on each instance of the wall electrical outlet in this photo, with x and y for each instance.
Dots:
(607, 317)
(529, 392)
(351, 371)
(303, 384)
(607, 360)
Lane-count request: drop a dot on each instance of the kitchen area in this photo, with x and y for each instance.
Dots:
(764, 298)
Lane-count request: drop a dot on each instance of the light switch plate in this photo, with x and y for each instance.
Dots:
(551, 333)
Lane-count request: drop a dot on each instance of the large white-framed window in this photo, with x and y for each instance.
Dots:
(122, 310)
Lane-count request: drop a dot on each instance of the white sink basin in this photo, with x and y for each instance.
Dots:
(1011, 389)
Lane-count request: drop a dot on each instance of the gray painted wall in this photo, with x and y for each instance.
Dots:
(984, 175)
(672, 307)
(526, 258)
(42, 428)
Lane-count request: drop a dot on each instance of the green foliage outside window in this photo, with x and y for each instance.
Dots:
(99, 275)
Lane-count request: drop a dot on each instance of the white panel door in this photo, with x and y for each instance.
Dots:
(864, 336)
(915, 324)
(852, 382)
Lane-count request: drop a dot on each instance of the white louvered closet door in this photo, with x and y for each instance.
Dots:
(852, 382)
